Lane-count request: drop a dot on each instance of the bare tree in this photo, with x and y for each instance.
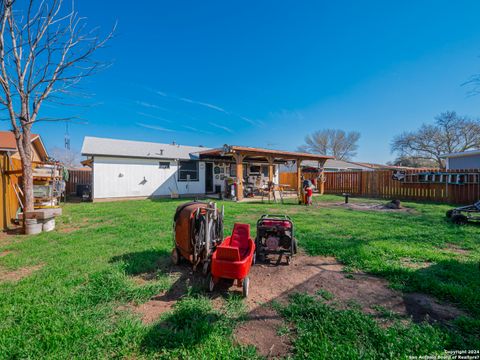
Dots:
(450, 133)
(69, 158)
(334, 142)
(45, 50)
(413, 162)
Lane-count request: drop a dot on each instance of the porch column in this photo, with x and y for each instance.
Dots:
(321, 183)
(239, 166)
(299, 179)
(270, 169)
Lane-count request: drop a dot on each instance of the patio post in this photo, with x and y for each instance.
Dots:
(299, 178)
(270, 168)
(321, 184)
(239, 166)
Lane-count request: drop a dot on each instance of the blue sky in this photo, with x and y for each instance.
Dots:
(266, 73)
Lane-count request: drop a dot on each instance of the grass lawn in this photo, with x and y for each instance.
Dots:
(73, 305)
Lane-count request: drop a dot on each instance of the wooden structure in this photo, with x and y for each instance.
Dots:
(449, 186)
(78, 176)
(289, 179)
(10, 199)
(11, 196)
(241, 155)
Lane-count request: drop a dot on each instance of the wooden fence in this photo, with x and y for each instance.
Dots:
(290, 178)
(453, 186)
(77, 177)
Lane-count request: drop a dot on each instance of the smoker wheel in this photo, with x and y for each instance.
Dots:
(210, 282)
(175, 256)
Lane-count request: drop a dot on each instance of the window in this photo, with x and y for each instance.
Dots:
(188, 171)
(265, 170)
(233, 171)
(164, 165)
(254, 169)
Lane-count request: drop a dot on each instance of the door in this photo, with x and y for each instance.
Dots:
(209, 177)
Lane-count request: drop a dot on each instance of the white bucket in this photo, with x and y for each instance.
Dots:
(49, 224)
(32, 227)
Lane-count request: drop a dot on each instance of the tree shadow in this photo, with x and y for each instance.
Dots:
(451, 281)
(187, 326)
(141, 262)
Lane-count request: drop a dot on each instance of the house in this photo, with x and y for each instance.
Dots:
(463, 160)
(8, 146)
(331, 165)
(10, 166)
(373, 166)
(137, 169)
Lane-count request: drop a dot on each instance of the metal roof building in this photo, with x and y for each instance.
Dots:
(94, 146)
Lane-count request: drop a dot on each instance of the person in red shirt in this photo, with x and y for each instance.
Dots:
(309, 193)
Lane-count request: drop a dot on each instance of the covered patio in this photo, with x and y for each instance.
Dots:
(241, 156)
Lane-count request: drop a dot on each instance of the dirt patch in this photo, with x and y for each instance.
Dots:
(310, 274)
(269, 282)
(5, 253)
(381, 207)
(261, 329)
(423, 307)
(153, 309)
(7, 236)
(18, 274)
(184, 278)
(376, 207)
(69, 227)
(414, 264)
(456, 249)
(314, 275)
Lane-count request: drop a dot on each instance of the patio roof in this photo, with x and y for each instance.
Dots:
(251, 152)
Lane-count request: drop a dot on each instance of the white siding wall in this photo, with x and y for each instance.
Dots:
(130, 177)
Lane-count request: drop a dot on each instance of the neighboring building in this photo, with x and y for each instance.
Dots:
(8, 145)
(123, 168)
(463, 160)
(331, 165)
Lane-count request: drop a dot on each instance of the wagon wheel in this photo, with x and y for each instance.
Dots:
(175, 256)
(210, 283)
(449, 213)
(205, 268)
(246, 282)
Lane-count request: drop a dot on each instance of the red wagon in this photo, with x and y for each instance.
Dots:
(233, 258)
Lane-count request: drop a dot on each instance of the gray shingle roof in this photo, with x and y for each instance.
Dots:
(330, 164)
(339, 165)
(138, 149)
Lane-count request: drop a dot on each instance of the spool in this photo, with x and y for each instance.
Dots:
(32, 227)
